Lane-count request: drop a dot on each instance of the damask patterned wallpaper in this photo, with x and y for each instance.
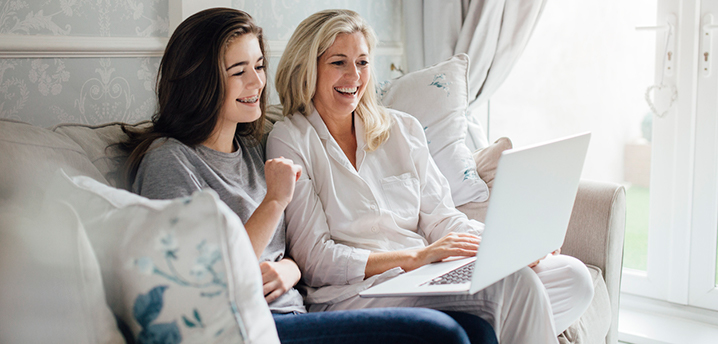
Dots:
(49, 91)
(105, 18)
(46, 92)
(280, 18)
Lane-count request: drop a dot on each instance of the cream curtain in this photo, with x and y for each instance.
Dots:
(493, 33)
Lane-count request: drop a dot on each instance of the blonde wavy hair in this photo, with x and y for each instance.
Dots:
(296, 78)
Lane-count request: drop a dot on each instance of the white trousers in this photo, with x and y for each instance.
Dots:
(529, 306)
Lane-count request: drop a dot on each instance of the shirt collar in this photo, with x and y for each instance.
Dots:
(323, 132)
(318, 123)
(359, 132)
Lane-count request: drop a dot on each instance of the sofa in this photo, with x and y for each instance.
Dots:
(31, 155)
(82, 260)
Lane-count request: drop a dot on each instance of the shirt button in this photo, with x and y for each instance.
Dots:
(374, 229)
(373, 207)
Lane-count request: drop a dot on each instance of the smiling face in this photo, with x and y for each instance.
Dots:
(342, 75)
(244, 63)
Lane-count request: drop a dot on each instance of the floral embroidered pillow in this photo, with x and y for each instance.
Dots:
(175, 271)
(438, 97)
(487, 160)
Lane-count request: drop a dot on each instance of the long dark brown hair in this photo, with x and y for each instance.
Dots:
(191, 84)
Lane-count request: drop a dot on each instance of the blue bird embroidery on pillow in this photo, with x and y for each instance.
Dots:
(146, 309)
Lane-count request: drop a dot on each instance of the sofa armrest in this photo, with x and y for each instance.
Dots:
(595, 234)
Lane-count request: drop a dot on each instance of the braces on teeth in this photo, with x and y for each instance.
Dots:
(249, 100)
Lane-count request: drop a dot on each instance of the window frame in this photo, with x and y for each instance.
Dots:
(683, 223)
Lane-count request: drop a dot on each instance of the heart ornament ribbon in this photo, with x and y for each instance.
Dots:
(658, 88)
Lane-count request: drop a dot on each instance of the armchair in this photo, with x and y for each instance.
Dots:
(595, 236)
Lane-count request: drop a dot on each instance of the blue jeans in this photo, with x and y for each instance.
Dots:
(383, 325)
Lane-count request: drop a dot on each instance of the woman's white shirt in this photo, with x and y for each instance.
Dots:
(395, 199)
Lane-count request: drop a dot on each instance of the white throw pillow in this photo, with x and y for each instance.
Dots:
(438, 97)
(178, 270)
(50, 284)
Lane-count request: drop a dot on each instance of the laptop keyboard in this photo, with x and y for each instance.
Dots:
(456, 276)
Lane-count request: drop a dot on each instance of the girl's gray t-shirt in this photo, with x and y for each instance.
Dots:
(171, 169)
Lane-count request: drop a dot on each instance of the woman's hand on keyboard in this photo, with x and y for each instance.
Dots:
(451, 245)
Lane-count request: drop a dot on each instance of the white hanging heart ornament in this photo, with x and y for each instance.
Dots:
(658, 88)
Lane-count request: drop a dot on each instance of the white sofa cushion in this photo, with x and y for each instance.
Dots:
(438, 97)
(30, 156)
(182, 269)
(50, 284)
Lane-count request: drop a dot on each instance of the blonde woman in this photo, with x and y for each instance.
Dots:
(371, 203)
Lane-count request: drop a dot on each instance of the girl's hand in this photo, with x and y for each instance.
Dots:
(451, 245)
(281, 175)
(278, 277)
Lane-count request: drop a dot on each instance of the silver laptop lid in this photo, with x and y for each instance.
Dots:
(532, 198)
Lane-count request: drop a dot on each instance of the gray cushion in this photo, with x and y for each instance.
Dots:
(99, 144)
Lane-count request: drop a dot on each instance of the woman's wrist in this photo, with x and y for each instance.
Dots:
(411, 259)
(415, 259)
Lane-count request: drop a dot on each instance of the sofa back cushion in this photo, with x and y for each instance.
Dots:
(99, 144)
(438, 97)
(29, 155)
(487, 159)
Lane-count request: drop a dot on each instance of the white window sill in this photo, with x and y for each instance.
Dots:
(647, 321)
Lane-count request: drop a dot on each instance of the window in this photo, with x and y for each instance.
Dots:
(587, 68)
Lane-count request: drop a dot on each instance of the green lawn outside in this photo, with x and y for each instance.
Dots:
(635, 250)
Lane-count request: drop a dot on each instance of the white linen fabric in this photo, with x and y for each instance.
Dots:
(181, 269)
(396, 199)
(569, 286)
(493, 33)
(438, 97)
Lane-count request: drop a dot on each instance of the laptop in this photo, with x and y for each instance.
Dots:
(527, 218)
